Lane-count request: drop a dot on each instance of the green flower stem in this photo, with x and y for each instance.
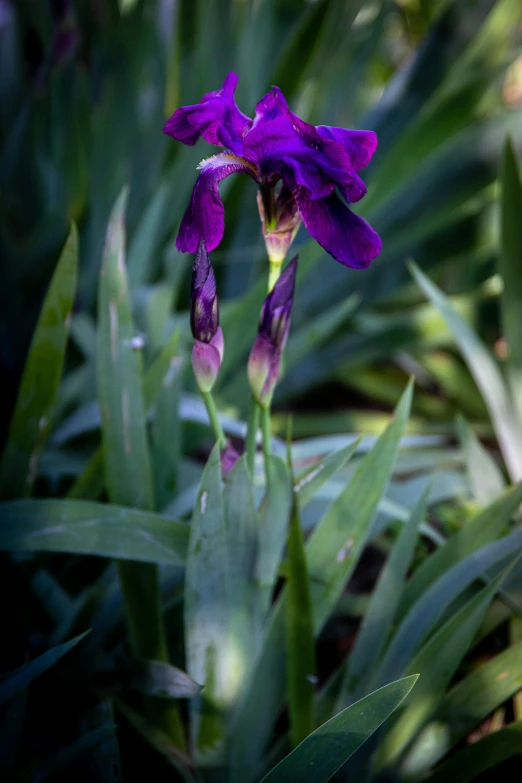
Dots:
(267, 441)
(274, 272)
(214, 419)
(253, 425)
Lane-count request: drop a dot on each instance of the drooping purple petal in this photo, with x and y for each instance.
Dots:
(347, 237)
(216, 118)
(359, 144)
(204, 217)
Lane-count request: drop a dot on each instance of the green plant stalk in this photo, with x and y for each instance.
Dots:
(253, 425)
(274, 273)
(266, 432)
(214, 419)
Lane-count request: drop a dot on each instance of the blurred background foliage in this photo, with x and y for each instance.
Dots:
(85, 86)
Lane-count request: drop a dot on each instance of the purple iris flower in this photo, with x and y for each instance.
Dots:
(315, 164)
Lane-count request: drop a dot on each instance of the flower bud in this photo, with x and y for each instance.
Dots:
(207, 352)
(206, 360)
(274, 324)
(280, 231)
(228, 458)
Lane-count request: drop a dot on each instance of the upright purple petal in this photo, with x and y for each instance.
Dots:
(204, 217)
(347, 237)
(216, 118)
(359, 144)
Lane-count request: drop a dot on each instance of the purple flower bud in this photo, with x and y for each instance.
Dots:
(274, 325)
(280, 231)
(228, 458)
(207, 353)
(204, 309)
(206, 360)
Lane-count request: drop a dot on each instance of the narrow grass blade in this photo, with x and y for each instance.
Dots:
(486, 374)
(376, 625)
(436, 663)
(486, 479)
(483, 528)
(42, 373)
(430, 607)
(310, 481)
(468, 764)
(90, 483)
(332, 553)
(127, 463)
(84, 527)
(469, 703)
(322, 753)
(166, 434)
(300, 642)
(510, 267)
(15, 681)
(272, 530)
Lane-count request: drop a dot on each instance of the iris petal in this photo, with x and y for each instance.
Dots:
(359, 144)
(216, 118)
(204, 217)
(347, 237)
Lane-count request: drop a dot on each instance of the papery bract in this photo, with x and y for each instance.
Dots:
(317, 165)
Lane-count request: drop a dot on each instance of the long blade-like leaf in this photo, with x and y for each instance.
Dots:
(42, 373)
(322, 753)
(15, 681)
(486, 373)
(84, 527)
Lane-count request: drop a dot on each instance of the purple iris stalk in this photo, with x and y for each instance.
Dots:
(207, 352)
(310, 165)
(274, 325)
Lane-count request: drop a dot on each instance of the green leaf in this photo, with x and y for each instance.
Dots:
(483, 528)
(272, 530)
(42, 373)
(469, 764)
(486, 374)
(510, 267)
(243, 616)
(332, 553)
(325, 751)
(486, 479)
(127, 464)
(430, 607)
(89, 484)
(436, 663)
(15, 681)
(300, 643)
(167, 434)
(312, 479)
(83, 527)
(375, 628)
(206, 601)
(156, 678)
(469, 703)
